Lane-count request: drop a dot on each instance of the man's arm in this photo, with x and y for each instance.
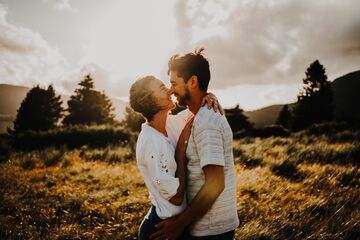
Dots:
(202, 202)
(207, 195)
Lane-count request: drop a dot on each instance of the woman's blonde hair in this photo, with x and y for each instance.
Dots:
(142, 99)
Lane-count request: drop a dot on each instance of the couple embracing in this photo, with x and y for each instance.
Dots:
(186, 159)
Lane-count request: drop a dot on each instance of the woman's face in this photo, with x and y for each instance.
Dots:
(162, 94)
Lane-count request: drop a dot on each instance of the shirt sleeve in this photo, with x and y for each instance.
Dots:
(209, 144)
(157, 162)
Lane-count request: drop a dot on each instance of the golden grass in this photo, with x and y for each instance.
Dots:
(79, 198)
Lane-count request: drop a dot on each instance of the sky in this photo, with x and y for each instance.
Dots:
(258, 50)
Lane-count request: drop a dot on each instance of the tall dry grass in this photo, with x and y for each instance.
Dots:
(304, 186)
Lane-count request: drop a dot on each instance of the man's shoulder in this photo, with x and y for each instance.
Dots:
(208, 117)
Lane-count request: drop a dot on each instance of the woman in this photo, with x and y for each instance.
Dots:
(155, 151)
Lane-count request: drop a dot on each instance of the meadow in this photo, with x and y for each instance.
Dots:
(302, 186)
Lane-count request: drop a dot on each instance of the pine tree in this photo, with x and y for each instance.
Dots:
(132, 120)
(284, 117)
(40, 110)
(315, 100)
(237, 120)
(88, 106)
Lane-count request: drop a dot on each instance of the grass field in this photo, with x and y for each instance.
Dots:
(299, 187)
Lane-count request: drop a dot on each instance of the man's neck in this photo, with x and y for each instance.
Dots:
(159, 121)
(195, 102)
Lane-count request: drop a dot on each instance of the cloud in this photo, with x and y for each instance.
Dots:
(25, 57)
(103, 81)
(64, 5)
(275, 41)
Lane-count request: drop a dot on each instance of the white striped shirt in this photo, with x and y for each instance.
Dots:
(210, 143)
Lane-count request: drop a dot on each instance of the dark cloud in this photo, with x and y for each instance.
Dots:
(275, 41)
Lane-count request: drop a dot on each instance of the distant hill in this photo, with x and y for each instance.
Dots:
(11, 97)
(347, 96)
(346, 100)
(264, 116)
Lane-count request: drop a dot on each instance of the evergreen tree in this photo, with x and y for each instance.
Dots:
(88, 106)
(284, 117)
(132, 120)
(315, 101)
(40, 110)
(237, 120)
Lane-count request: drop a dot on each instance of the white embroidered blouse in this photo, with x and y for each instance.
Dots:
(155, 155)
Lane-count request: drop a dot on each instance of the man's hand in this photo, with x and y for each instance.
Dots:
(212, 102)
(168, 229)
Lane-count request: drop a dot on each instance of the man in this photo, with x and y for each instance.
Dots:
(211, 188)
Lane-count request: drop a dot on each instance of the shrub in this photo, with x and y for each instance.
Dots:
(109, 154)
(28, 164)
(265, 132)
(323, 154)
(249, 162)
(5, 148)
(350, 178)
(345, 136)
(278, 141)
(273, 131)
(287, 169)
(51, 156)
(328, 128)
(73, 137)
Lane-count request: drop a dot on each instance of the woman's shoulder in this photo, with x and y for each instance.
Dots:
(148, 139)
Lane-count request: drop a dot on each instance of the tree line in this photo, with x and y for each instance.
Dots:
(314, 105)
(42, 109)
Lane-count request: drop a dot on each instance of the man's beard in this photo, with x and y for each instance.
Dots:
(184, 100)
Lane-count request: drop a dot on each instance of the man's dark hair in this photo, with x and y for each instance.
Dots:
(191, 64)
(142, 99)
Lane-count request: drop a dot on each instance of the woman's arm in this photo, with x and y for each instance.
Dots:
(181, 161)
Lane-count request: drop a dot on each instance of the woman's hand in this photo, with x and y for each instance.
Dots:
(211, 100)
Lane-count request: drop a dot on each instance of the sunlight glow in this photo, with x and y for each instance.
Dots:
(132, 41)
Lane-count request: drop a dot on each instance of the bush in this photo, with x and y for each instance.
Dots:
(345, 136)
(249, 162)
(5, 148)
(350, 178)
(51, 156)
(287, 169)
(73, 137)
(111, 154)
(273, 131)
(324, 155)
(278, 141)
(28, 164)
(265, 132)
(329, 128)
